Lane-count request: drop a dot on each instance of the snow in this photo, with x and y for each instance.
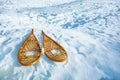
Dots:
(89, 31)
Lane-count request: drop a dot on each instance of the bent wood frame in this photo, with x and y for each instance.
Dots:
(55, 57)
(34, 58)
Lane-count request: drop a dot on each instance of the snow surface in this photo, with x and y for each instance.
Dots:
(89, 30)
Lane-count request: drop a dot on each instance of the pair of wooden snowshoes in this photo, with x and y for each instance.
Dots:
(31, 51)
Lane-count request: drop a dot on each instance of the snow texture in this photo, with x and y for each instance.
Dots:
(89, 30)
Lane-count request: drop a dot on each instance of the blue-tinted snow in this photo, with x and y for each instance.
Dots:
(89, 31)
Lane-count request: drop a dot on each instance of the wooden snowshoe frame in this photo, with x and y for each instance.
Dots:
(30, 44)
(49, 45)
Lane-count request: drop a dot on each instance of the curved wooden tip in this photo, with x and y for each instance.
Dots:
(43, 32)
(32, 30)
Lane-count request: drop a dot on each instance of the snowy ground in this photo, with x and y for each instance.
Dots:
(89, 30)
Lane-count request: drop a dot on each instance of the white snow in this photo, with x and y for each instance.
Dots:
(88, 30)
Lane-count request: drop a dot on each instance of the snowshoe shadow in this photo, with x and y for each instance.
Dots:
(15, 51)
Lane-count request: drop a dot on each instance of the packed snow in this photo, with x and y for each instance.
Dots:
(89, 30)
